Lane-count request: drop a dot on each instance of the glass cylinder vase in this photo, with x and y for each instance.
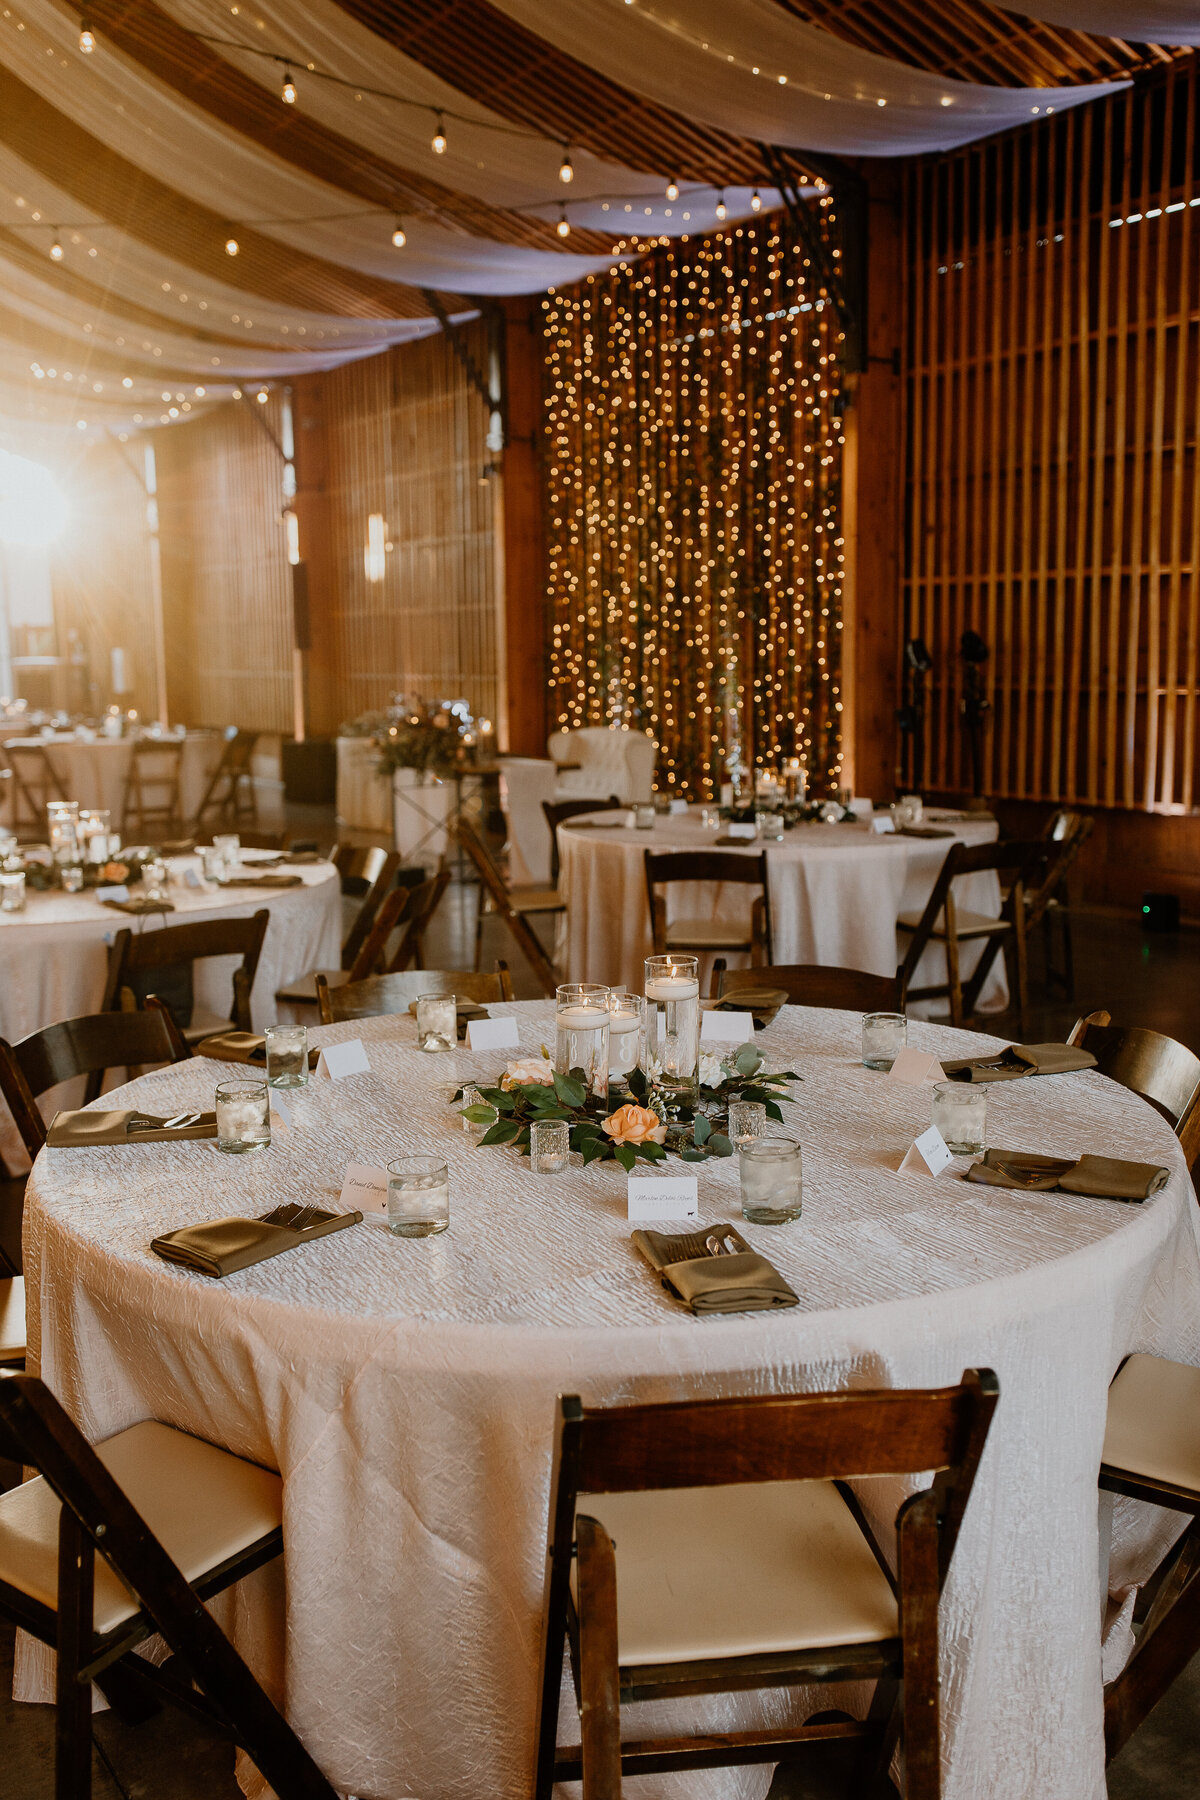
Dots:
(673, 1028)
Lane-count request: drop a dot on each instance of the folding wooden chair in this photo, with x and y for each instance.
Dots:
(160, 962)
(815, 984)
(559, 811)
(1165, 1073)
(514, 905)
(151, 806)
(708, 1546)
(394, 993)
(945, 922)
(1046, 906)
(35, 784)
(752, 934)
(229, 797)
(107, 1546)
(366, 874)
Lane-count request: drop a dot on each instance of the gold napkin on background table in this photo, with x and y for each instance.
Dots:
(138, 904)
(223, 1246)
(242, 1047)
(1020, 1060)
(266, 879)
(706, 1283)
(762, 1002)
(79, 1130)
(1104, 1177)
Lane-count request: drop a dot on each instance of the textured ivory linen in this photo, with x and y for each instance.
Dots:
(95, 774)
(406, 1389)
(54, 957)
(836, 893)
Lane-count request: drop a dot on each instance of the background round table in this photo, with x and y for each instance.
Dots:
(835, 890)
(406, 1389)
(94, 771)
(54, 955)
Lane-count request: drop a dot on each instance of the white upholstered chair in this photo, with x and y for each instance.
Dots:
(525, 782)
(594, 762)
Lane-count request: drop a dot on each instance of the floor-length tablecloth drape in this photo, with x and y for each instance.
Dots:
(94, 773)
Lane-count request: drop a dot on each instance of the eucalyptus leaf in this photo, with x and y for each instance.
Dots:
(720, 1145)
(690, 1154)
(748, 1060)
(701, 1129)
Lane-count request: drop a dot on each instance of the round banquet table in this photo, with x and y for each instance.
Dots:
(54, 955)
(93, 772)
(406, 1388)
(835, 890)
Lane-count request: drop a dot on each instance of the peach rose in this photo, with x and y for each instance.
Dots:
(635, 1125)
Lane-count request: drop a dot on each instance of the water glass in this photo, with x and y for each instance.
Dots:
(581, 1032)
(287, 1056)
(673, 1026)
(212, 862)
(154, 878)
(471, 1096)
(710, 819)
(914, 808)
(747, 1120)
(228, 846)
(772, 1189)
(770, 826)
(12, 891)
(549, 1144)
(960, 1114)
(884, 1036)
(243, 1116)
(626, 1035)
(643, 818)
(418, 1196)
(437, 1022)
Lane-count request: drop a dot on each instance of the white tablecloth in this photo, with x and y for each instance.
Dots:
(406, 1388)
(54, 955)
(94, 773)
(835, 890)
(364, 796)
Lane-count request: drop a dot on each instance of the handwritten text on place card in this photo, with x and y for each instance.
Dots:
(339, 1060)
(365, 1190)
(663, 1197)
(726, 1027)
(119, 892)
(916, 1066)
(493, 1034)
(927, 1154)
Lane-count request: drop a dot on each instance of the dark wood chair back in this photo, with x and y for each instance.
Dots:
(229, 797)
(1021, 862)
(379, 995)
(1065, 836)
(559, 811)
(96, 1516)
(137, 959)
(424, 903)
(816, 984)
(1163, 1071)
(35, 783)
(802, 1437)
(368, 873)
(666, 867)
(497, 890)
(85, 1046)
(151, 803)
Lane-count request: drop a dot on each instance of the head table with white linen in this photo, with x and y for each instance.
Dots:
(406, 1388)
(836, 892)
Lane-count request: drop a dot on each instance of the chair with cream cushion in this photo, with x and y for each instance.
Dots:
(175, 1521)
(711, 1546)
(1152, 1452)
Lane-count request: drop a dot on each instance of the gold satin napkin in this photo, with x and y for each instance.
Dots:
(138, 904)
(242, 1047)
(223, 1246)
(762, 1002)
(1104, 1177)
(79, 1130)
(745, 1282)
(1020, 1060)
(266, 879)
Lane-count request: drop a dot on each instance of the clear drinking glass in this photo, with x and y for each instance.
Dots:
(212, 862)
(747, 1120)
(62, 819)
(154, 878)
(626, 1035)
(71, 876)
(884, 1036)
(673, 1026)
(643, 818)
(243, 1116)
(287, 1056)
(471, 1096)
(418, 1197)
(772, 1187)
(437, 1022)
(12, 891)
(960, 1113)
(581, 1022)
(914, 808)
(228, 846)
(549, 1145)
(710, 818)
(770, 826)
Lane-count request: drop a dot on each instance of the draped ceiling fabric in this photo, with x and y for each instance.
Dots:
(141, 159)
(1156, 22)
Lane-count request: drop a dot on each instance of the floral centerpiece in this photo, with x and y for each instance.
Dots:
(420, 735)
(531, 1090)
(42, 872)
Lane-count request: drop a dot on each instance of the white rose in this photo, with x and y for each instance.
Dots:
(711, 1072)
(528, 1069)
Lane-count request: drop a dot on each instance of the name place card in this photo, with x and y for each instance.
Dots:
(915, 1066)
(493, 1034)
(118, 892)
(191, 878)
(882, 824)
(726, 1027)
(677, 806)
(339, 1060)
(927, 1154)
(281, 1112)
(365, 1190)
(663, 1197)
(749, 832)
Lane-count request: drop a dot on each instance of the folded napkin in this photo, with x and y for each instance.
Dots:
(922, 831)
(303, 856)
(266, 879)
(242, 1047)
(763, 1002)
(78, 1130)
(139, 903)
(618, 822)
(1019, 1060)
(223, 1246)
(745, 1282)
(1106, 1177)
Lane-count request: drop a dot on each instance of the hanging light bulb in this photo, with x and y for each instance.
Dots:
(721, 204)
(56, 250)
(756, 201)
(399, 237)
(231, 246)
(288, 93)
(439, 137)
(262, 396)
(563, 227)
(672, 190)
(566, 172)
(87, 37)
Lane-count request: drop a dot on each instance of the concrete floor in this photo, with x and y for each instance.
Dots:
(1140, 978)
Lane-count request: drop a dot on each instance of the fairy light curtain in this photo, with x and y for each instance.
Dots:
(693, 472)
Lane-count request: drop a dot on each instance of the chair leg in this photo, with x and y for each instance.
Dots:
(953, 974)
(600, 1714)
(73, 1698)
(1167, 1642)
(917, 1540)
(1021, 958)
(477, 964)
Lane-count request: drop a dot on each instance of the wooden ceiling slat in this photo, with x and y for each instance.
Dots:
(104, 182)
(193, 69)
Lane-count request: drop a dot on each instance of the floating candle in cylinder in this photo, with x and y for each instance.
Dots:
(673, 991)
(581, 1028)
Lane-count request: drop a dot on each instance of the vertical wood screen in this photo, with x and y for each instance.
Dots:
(1053, 496)
(101, 580)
